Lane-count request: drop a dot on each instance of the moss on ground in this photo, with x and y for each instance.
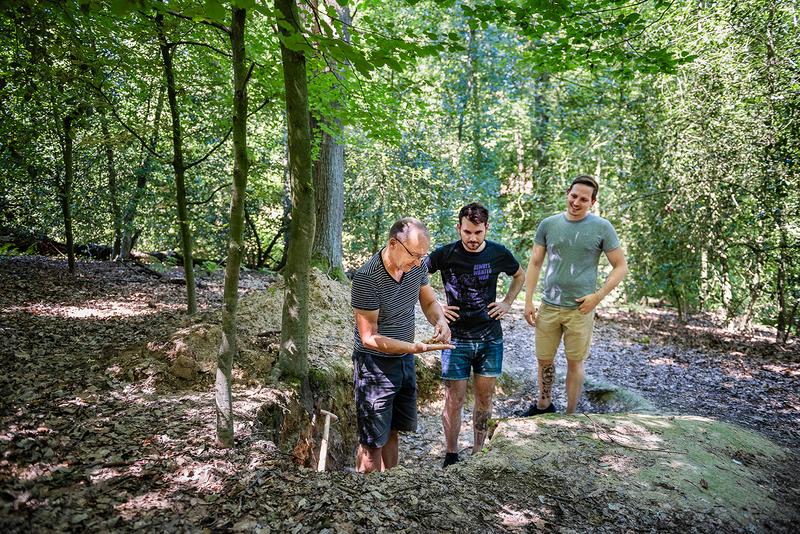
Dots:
(647, 463)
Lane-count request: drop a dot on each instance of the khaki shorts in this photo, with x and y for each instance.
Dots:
(553, 322)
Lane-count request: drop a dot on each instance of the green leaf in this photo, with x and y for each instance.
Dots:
(214, 10)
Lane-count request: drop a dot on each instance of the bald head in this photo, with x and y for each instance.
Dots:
(402, 229)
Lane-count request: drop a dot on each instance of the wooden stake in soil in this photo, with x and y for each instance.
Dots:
(323, 449)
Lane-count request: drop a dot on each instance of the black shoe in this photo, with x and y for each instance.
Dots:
(535, 410)
(449, 459)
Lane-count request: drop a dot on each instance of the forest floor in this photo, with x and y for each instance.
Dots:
(89, 442)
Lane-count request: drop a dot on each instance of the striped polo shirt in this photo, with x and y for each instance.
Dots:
(375, 289)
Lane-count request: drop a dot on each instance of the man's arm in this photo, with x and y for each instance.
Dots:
(531, 279)
(367, 324)
(619, 268)
(435, 314)
(498, 309)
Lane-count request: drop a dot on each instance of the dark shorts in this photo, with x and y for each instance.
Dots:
(482, 357)
(386, 396)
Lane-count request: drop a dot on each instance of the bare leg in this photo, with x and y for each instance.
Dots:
(484, 389)
(454, 393)
(369, 459)
(574, 384)
(390, 451)
(547, 375)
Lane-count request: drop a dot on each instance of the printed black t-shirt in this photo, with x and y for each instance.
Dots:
(470, 282)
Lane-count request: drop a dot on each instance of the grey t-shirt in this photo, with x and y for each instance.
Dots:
(573, 252)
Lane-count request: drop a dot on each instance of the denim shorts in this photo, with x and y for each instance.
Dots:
(386, 396)
(483, 357)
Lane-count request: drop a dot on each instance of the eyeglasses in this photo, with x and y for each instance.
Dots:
(419, 257)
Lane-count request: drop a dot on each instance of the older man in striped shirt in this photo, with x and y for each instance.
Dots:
(385, 291)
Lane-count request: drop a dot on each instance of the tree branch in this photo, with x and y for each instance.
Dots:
(206, 201)
(198, 43)
(130, 130)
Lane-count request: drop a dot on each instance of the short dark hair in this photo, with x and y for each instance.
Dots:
(585, 179)
(400, 228)
(474, 212)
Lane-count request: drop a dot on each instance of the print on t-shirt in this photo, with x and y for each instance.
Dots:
(470, 282)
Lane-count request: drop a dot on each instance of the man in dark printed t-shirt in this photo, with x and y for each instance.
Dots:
(470, 267)
(385, 291)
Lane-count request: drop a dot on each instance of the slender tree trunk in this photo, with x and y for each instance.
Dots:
(66, 191)
(258, 261)
(112, 185)
(142, 175)
(293, 360)
(476, 104)
(775, 185)
(179, 168)
(286, 201)
(227, 349)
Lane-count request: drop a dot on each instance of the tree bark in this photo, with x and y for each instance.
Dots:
(142, 175)
(66, 191)
(329, 176)
(227, 349)
(111, 169)
(329, 200)
(179, 167)
(293, 359)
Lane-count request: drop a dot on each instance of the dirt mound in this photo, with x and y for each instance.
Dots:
(642, 471)
(188, 358)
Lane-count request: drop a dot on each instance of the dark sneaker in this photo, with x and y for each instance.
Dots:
(535, 410)
(449, 459)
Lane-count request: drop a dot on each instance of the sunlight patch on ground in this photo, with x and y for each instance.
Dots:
(514, 518)
(153, 500)
(101, 309)
(737, 373)
(35, 471)
(782, 369)
(667, 361)
(624, 465)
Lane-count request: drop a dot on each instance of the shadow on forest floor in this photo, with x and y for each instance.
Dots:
(90, 443)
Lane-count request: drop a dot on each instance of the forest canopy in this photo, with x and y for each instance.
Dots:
(686, 112)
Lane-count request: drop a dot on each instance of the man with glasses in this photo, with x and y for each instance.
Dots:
(385, 291)
(470, 268)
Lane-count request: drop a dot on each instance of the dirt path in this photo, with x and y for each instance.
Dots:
(759, 393)
(89, 443)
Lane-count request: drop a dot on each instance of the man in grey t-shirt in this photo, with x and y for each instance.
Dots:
(572, 241)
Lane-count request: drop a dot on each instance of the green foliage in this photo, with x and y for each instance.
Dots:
(687, 113)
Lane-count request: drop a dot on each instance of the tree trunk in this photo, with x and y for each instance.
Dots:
(476, 104)
(142, 175)
(329, 176)
(329, 200)
(293, 360)
(227, 349)
(112, 185)
(286, 202)
(179, 167)
(773, 184)
(66, 192)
